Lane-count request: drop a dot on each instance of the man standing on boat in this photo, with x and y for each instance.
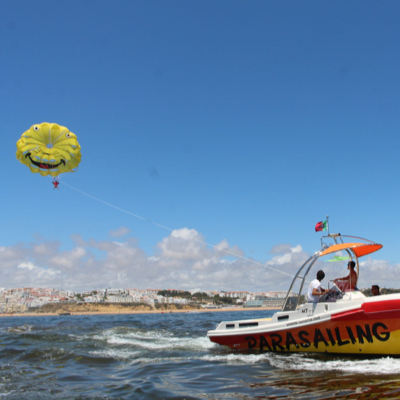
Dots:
(315, 290)
(348, 282)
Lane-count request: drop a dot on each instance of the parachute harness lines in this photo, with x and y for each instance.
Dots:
(171, 230)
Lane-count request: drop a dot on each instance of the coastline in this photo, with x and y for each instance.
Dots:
(72, 313)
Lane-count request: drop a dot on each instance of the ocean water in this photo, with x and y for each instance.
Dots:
(168, 356)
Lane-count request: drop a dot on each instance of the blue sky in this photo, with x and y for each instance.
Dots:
(243, 122)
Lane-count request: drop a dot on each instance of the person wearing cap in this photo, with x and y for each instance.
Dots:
(348, 282)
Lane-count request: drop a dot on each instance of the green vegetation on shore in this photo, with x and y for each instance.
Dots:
(199, 297)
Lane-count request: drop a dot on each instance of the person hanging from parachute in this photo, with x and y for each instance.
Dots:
(56, 182)
(49, 149)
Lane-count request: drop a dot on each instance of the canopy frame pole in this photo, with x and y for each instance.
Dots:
(314, 258)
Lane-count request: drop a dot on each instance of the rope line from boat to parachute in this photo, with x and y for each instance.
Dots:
(171, 230)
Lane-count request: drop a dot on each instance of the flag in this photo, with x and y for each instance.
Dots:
(321, 226)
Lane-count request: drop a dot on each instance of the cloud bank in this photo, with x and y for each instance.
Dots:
(181, 260)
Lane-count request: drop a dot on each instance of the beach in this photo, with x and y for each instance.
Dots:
(128, 312)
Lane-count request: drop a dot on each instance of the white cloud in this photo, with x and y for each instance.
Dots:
(121, 231)
(280, 248)
(181, 260)
(27, 265)
(41, 274)
(183, 244)
(68, 259)
(378, 272)
(287, 257)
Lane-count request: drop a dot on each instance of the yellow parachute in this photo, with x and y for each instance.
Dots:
(49, 149)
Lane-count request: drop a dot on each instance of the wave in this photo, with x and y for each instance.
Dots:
(19, 329)
(371, 366)
(153, 340)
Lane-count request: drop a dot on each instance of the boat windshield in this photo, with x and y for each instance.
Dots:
(333, 294)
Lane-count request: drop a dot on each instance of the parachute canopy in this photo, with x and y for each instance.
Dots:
(49, 149)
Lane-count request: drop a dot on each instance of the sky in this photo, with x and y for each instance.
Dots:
(227, 127)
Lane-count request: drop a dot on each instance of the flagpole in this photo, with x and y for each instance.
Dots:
(327, 223)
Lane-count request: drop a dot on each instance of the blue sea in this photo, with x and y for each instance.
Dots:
(168, 356)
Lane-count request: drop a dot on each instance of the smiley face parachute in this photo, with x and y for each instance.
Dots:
(49, 149)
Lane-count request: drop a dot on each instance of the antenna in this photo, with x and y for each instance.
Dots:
(327, 223)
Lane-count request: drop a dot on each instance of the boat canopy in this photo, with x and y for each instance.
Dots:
(354, 250)
(359, 249)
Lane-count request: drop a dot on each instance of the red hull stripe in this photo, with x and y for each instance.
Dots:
(379, 306)
(345, 314)
(368, 308)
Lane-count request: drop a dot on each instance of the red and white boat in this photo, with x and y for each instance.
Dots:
(346, 323)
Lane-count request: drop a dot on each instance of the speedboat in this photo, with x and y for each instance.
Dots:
(342, 322)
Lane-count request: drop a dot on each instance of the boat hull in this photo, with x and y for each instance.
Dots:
(371, 328)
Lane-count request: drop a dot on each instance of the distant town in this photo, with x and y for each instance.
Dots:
(30, 299)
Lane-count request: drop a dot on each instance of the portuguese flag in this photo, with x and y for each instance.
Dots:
(321, 226)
